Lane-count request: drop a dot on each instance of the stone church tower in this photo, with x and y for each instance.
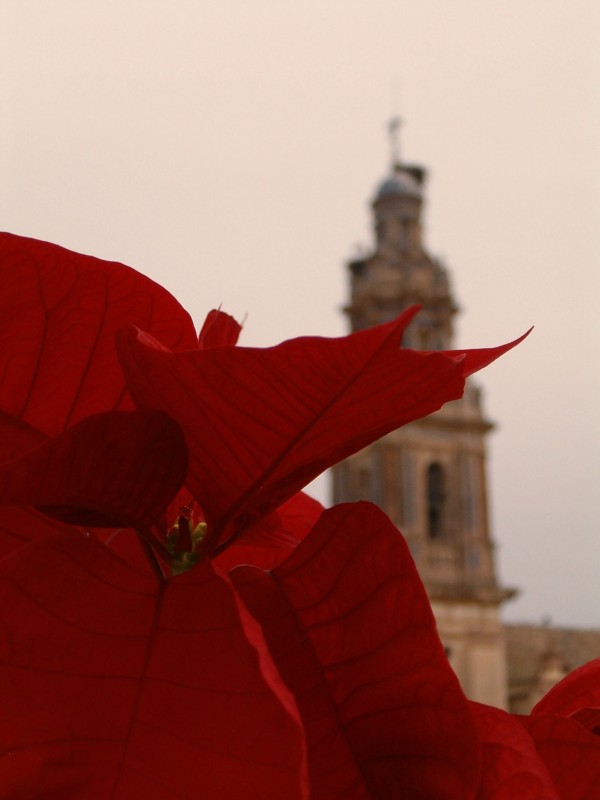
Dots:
(430, 476)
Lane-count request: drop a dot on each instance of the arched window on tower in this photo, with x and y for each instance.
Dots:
(436, 500)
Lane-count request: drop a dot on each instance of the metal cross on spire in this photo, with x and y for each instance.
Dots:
(394, 131)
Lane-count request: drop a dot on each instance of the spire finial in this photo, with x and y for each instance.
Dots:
(394, 132)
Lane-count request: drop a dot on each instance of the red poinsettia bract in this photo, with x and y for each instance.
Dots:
(84, 336)
(551, 754)
(322, 677)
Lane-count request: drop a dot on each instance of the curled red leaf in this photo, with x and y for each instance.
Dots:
(577, 691)
(60, 314)
(570, 753)
(350, 628)
(512, 766)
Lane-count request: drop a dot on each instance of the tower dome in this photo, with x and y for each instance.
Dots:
(403, 182)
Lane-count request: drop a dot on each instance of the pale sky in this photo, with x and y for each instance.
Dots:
(230, 150)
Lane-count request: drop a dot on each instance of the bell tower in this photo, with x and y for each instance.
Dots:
(430, 476)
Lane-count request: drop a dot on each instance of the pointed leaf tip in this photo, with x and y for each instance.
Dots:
(479, 358)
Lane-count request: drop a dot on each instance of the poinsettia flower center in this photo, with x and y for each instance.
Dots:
(183, 541)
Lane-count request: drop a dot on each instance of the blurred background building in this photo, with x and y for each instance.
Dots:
(430, 476)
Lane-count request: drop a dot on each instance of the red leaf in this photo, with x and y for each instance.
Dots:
(260, 424)
(60, 312)
(16, 437)
(113, 685)
(350, 628)
(219, 330)
(19, 526)
(512, 767)
(118, 469)
(271, 540)
(577, 691)
(571, 754)
(124, 544)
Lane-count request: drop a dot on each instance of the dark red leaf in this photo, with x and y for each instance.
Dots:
(260, 424)
(570, 753)
(219, 329)
(350, 628)
(60, 312)
(118, 469)
(114, 686)
(512, 767)
(271, 540)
